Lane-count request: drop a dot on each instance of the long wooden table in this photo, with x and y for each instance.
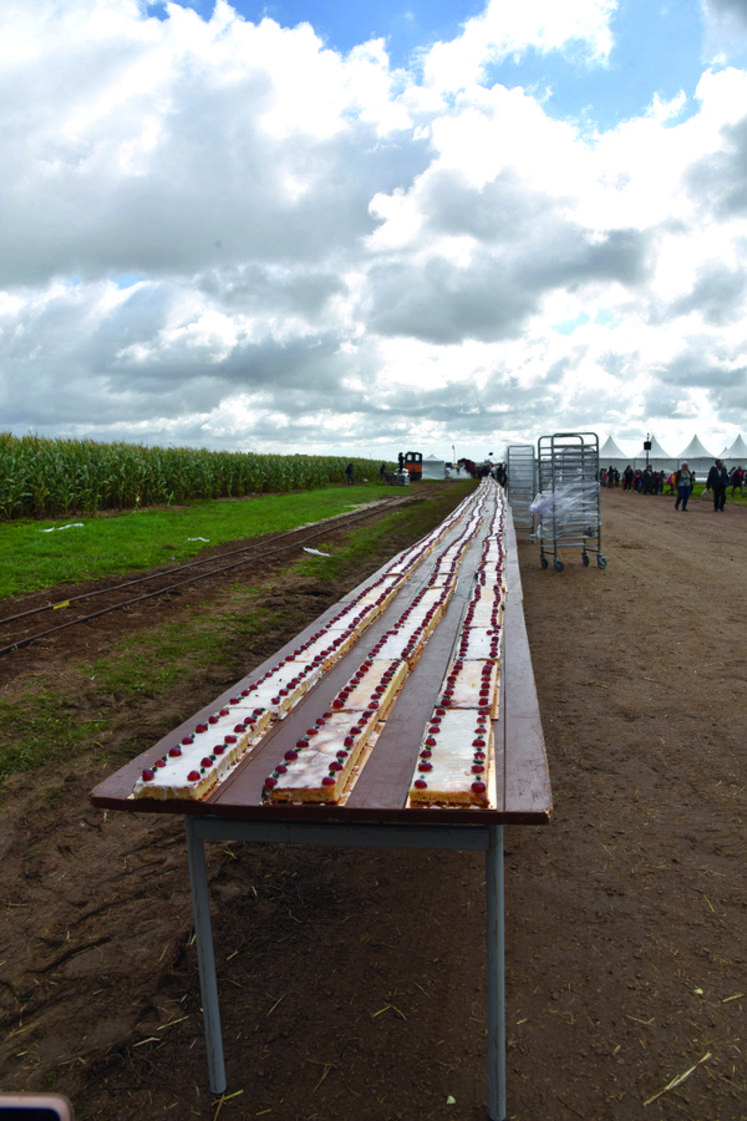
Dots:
(376, 813)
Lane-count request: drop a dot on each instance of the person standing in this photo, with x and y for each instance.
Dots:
(684, 481)
(716, 484)
(737, 480)
(349, 474)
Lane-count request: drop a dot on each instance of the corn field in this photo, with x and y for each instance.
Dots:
(43, 478)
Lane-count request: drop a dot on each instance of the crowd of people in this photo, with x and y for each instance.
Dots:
(678, 483)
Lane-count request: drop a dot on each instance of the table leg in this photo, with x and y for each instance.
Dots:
(496, 976)
(205, 956)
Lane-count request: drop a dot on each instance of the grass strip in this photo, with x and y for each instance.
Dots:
(38, 555)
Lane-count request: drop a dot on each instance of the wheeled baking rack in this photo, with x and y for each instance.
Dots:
(521, 470)
(568, 503)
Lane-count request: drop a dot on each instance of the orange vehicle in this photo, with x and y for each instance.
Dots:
(414, 464)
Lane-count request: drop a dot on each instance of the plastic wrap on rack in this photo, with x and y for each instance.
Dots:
(569, 503)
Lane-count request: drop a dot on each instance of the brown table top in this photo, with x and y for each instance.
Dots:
(523, 793)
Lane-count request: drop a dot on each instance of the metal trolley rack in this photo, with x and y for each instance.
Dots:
(568, 503)
(522, 484)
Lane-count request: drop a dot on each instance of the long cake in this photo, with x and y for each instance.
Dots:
(316, 773)
(453, 765)
(322, 764)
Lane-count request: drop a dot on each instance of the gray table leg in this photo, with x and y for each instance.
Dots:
(496, 976)
(205, 956)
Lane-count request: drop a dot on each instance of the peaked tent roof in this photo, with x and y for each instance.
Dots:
(695, 450)
(610, 451)
(737, 453)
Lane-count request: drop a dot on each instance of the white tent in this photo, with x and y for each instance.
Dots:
(611, 456)
(434, 469)
(736, 455)
(697, 458)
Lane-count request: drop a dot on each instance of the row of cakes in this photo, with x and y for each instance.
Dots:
(456, 749)
(193, 765)
(323, 764)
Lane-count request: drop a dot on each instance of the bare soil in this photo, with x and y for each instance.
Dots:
(353, 982)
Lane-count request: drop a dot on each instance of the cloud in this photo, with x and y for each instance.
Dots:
(718, 296)
(720, 177)
(223, 232)
(504, 30)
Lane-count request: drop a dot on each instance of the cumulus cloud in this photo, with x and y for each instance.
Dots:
(508, 29)
(226, 233)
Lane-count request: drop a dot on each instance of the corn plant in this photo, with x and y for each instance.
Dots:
(43, 478)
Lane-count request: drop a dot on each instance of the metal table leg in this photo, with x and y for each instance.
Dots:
(205, 956)
(469, 838)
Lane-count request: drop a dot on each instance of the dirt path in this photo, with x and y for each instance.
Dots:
(640, 882)
(352, 983)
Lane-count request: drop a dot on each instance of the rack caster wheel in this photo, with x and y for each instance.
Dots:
(543, 562)
(601, 562)
(558, 565)
(585, 559)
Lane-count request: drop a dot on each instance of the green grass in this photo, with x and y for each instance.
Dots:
(731, 499)
(40, 726)
(149, 663)
(32, 559)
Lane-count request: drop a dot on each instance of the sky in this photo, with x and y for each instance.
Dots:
(309, 226)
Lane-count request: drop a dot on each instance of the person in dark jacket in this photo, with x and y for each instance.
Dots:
(716, 483)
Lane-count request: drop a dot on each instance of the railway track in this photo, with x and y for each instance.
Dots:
(27, 626)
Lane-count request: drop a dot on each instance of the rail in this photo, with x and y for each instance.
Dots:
(247, 554)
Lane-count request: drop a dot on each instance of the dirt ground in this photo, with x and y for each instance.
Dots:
(353, 982)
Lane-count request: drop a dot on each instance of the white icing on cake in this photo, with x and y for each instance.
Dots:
(480, 643)
(377, 680)
(452, 767)
(306, 776)
(316, 770)
(472, 684)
